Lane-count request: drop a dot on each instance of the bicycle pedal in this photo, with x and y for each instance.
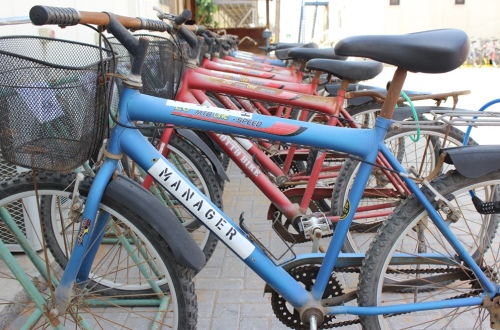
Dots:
(313, 225)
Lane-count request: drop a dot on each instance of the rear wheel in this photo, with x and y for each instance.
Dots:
(381, 196)
(440, 275)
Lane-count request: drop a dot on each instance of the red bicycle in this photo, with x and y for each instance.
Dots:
(266, 174)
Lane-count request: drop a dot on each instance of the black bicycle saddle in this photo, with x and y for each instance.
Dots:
(350, 70)
(307, 54)
(435, 51)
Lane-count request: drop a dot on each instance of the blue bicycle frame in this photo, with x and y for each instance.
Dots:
(365, 143)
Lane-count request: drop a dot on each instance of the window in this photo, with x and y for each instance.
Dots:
(393, 2)
(460, 2)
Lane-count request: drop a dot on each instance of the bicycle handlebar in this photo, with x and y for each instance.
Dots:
(116, 25)
(46, 15)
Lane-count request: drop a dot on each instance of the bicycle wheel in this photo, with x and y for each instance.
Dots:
(409, 230)
(381, 195)
(495, 58)
(478, 59)
(192, 164)
(117, 293)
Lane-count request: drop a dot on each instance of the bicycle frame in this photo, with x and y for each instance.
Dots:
(207, 64)
(364, 143)
(194, 81)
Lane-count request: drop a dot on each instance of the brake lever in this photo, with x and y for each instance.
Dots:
(162, 15)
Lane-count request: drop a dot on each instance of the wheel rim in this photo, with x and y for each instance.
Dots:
(421, 236)
(108, 274)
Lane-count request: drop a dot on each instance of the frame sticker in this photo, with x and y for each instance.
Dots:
(208, 111)
(205, 212)
(345, 210)
(84, 230)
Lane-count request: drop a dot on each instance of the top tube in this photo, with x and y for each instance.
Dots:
(352, 141)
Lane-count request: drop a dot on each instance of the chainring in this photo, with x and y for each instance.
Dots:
(305, 275)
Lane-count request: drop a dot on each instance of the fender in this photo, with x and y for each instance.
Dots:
(473, 161)
(195, 139)
(140, 201)
(403, 113)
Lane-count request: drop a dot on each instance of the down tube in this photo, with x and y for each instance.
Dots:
(142, 152)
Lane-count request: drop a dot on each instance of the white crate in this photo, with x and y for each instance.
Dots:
(30, 228)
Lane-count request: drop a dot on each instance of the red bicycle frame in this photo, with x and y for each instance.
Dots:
(193, 88)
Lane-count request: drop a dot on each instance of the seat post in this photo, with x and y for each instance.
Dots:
(393, 93)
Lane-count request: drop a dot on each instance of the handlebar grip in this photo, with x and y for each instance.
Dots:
(183, 17)
(42, 15)
(209, 41)
(136, 47)
(187, 35)
(212, 34)
(154, 25)
(200, 29)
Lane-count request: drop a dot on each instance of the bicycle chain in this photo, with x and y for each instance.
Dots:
(292, 322)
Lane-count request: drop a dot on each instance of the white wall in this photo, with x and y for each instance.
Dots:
(478, 18)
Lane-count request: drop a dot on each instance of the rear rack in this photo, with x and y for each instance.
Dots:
(454, 118)
(438, 98)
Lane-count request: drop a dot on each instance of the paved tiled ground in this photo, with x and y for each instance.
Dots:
(230, 295)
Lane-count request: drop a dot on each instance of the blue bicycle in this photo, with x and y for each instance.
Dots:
(437, 252)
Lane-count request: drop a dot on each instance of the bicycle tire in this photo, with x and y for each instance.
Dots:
(408, 227)
(113, 264)
(495, 60)
(187, 158)
(362, 230)
(478, 59)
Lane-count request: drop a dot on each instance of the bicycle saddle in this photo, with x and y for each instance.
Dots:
(282, 53)
(285, 45)
(350, 70)
(307, 54)
(434, 51)
(473, 161)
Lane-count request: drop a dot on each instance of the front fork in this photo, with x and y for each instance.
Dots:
(88, 239)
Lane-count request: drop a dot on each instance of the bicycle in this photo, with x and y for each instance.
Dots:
(315, 195)
(283, 202)
(306, 301)
(475, 57)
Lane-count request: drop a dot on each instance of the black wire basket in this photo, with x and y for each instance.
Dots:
(163, 66)
(53, 112)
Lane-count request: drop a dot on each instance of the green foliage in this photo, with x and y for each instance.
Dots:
(204, 13)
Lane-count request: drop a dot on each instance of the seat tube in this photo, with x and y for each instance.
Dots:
(349, 210)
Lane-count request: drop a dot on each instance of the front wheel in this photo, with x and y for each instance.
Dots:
(495, 58)
(478, 59)
(193, 166)
(133, 276)
(440, 275)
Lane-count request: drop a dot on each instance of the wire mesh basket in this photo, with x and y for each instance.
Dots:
(53, 113)
(162, 68)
